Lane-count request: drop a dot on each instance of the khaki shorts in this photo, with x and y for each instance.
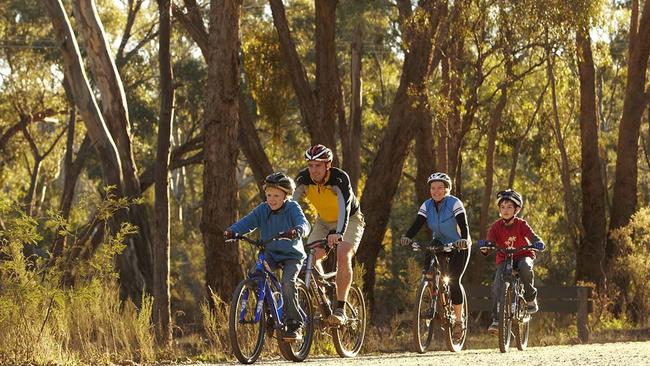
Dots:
(352, 235)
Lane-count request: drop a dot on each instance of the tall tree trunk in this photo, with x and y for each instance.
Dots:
(318, 109)
(636, 98)
(383, 179)
(351, 133)
(495, 121)
(569, 203)
(223, 263)
(161, 298)
(424, 152)
(249, 139)
(591, 254)
(132, 281)
(251, 146)
(521, 139)
(327, 73)
(115, 111)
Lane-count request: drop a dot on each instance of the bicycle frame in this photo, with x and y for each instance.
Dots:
(266, 281)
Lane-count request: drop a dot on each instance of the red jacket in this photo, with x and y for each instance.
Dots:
(516, 235)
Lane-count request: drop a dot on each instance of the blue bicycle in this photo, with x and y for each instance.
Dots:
(256, 310)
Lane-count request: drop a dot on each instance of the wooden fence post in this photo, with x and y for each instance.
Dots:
(583, 312)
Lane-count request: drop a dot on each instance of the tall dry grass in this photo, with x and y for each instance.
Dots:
(45, 322)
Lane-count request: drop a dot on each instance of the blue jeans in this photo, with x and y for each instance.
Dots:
(527, 276)
(290, 270)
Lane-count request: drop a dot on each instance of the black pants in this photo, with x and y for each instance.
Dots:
(457, 264)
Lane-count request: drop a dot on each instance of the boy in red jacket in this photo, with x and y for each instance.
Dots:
(512, 232)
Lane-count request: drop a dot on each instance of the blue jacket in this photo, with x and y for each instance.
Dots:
(271, 223)
(442, 221)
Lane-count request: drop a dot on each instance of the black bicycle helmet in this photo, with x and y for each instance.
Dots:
(440, 177)
(318, 153)
(510, 195)
(280, 181)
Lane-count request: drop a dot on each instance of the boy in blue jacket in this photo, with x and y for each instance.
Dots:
(280, 214)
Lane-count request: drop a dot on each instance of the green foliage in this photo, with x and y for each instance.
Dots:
(634, 240)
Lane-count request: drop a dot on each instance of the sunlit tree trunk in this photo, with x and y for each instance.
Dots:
(132, 281)
(223, 262)
(383, 179)
(115, 112)
(636, 98)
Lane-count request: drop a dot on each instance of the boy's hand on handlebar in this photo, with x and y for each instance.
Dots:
(484, 246)
(292, 233)
(539, 245)
(228, 234)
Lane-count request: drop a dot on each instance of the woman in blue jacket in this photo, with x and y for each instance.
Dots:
(445, 216)
(279, 214)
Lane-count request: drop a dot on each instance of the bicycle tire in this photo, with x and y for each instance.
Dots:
(298, 351)
(521, 325)
(452, 344)
(423, 332)
(238, 332)
(348, 338)
(505, 319)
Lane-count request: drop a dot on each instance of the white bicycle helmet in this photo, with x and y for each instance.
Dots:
(510, 195)
(440, 177)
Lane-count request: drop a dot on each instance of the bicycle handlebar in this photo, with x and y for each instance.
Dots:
(491, 246)
(320, 243)
(433, 246)
(259, 243)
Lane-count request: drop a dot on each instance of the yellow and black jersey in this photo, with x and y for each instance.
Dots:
(334, 200)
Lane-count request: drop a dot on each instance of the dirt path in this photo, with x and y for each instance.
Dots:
(627, 353)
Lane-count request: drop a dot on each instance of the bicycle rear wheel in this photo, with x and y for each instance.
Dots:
(246, 334)
(298, 351)
(348, 338)
(424, 313)
(521, 325)
(505, 319)
(456, 345)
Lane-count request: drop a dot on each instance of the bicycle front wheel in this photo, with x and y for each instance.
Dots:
(505, 319)
(521, 325)
(246, 333)
(456, 344)
(348, 338)
(424, 313)
(298, 351)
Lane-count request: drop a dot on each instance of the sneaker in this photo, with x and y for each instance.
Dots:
(338, 317)
(494, 327)
(292, 334)
(457, 331)
(531, 307)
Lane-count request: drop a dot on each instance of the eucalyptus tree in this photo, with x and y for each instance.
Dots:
(637, 96)
(419, 28)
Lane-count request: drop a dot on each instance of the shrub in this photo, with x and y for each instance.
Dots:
(634, 240)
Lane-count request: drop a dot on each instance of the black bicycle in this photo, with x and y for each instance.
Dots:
(321, 287)
(433, 306)
(256, 310)
(514, 319)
